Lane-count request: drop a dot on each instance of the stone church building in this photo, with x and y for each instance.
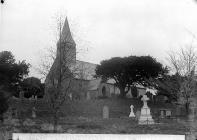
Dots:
(84, 84)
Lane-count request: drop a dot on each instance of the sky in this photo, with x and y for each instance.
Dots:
(101, 28)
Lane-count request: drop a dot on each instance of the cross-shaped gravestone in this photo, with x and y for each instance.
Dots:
(145, 99)
(131, 113)
(145, 116)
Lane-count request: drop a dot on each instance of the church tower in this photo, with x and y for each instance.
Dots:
(66, 46)
(65, 59)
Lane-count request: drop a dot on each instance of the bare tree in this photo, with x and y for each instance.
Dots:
(60, 77)
(184, 61)
(59, 68)
(46, 61)
(183, 64)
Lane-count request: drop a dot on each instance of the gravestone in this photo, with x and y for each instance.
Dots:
(29, 122)
(88, 96)
(162, 115)
(33, 112)
(50, 127)
(145, 116)
(21, 95)
(131, 112)
(168, 113)
(105, 112)
(71, 96)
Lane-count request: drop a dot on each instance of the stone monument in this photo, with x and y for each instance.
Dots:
(105, 112)
(162, 115)
(131, 113)
(145, 116)
(21, 94)
(88, 96)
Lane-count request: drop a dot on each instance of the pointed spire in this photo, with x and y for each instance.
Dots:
(66, 34)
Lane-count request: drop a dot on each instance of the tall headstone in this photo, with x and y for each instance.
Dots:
(105, 112)
(145, 116)
(21, 94)
(162, 115)
(88, 96)
(33, 112)
(71, 96)
(131, 112)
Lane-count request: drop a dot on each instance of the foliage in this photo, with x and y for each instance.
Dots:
(168, 85)
(134, 91)
(3, 103)
(32, 86)
(11, 73)
(130, 70)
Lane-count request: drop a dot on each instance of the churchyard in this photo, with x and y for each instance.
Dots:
(98, 116)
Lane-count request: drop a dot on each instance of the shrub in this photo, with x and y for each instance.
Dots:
(3, 104)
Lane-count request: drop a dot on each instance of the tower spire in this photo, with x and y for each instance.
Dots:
(66, 33)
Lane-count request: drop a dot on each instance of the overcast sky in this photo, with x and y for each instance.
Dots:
(107, 28)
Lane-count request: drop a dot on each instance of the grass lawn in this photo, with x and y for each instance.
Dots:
(86, 117)
(78, 125)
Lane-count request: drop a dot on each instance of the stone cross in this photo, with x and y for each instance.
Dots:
(131, 113)
(145, 116)
(145, 99)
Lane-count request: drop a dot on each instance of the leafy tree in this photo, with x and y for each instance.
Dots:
(32, 86)
(168, 85)
(130, 70)
(11, 72)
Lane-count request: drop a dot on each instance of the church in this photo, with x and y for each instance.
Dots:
(84, 83)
